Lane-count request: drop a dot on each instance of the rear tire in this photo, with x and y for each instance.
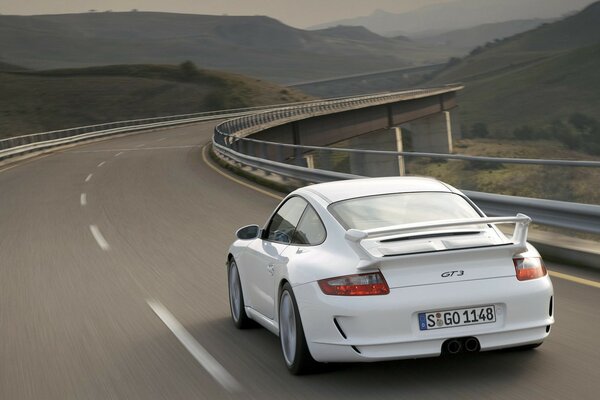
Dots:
(294, 349)
(236, 297)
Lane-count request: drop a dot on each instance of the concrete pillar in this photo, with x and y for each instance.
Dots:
(310, 161)
(371, 164)
(432, 134)
(399, 148)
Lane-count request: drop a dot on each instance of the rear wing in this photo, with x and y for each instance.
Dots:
(355, 236)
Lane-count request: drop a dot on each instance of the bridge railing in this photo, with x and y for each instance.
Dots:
(313, 164)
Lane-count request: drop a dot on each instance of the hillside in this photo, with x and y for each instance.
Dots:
(47, 100)
(533, 83)
(458, 14)
(10, 67)
(254, 45)
(465, 40)
(536, 94)
(546, 182)
(579, 30)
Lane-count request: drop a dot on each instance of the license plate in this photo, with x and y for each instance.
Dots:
(458, 317)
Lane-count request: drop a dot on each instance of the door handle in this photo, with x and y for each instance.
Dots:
(271, 268)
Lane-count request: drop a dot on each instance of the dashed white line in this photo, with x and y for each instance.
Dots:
(83, 199)
(99, 238)
(161, 139)
(210, 364)
(87, 178)
(101, 164)
(118, 154)
(141, 145)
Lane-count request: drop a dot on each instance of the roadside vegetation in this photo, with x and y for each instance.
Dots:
(37, 101)
(538, 85)
(550, 182)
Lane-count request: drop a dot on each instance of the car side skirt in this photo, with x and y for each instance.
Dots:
(269, 324)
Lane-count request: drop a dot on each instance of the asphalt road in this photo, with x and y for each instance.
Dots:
(92, 234)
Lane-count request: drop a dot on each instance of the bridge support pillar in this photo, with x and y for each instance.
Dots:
(431, 134)
(397, 131)
(374, 164)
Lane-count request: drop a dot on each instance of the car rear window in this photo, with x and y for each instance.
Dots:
(400, 208)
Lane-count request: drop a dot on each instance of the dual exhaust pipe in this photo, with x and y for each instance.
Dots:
(455, 346)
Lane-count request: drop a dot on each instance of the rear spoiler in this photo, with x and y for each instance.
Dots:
(355, 236)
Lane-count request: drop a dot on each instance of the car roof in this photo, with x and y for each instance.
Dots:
(333, 192)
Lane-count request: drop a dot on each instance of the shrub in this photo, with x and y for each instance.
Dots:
(479, 129)
(188, 70)
(524, 133)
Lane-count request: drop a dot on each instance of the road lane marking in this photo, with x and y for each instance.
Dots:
(141, 145)
(83, 199)
(118, 154)
(161, 139)
(575, 279)
(99, 238)
(237, 180)
(101, 164)
(87, 178)
(204, 358)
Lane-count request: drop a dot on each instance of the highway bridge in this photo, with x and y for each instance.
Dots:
(114, 287)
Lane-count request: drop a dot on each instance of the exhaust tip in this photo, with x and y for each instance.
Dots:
(453, 346)
(472, 345)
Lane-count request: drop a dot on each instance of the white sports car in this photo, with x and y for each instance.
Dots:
(387, 268)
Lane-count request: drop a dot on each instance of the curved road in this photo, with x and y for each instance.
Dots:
(91, 236)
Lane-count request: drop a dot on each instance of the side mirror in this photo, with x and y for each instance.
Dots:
(248, 232)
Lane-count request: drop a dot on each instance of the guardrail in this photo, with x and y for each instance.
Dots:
(19, 145)
(230, 141)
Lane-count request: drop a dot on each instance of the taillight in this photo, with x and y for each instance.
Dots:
(371, 284)
(529, 268)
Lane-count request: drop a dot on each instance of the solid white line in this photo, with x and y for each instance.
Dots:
(101, 164)
(99, 238)
(83, 199)
(118, 154)
(87, 179)
(210, 364)
(204, 150)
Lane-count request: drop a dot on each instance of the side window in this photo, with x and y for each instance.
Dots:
(282, 225)
(310, 229)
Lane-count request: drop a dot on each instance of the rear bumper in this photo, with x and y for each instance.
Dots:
(373, 328)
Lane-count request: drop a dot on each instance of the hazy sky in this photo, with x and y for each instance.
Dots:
(299, 13)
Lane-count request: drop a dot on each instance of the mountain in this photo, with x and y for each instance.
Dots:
(56, 99)
(465, 40)
(459, 14)
(4, 66)
(536, 79)
(576, 31)
(256, 46)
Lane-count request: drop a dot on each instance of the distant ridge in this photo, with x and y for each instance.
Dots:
(252, 45)
(10, 67)
(534, 78)
(465, 40)
(458, 14)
